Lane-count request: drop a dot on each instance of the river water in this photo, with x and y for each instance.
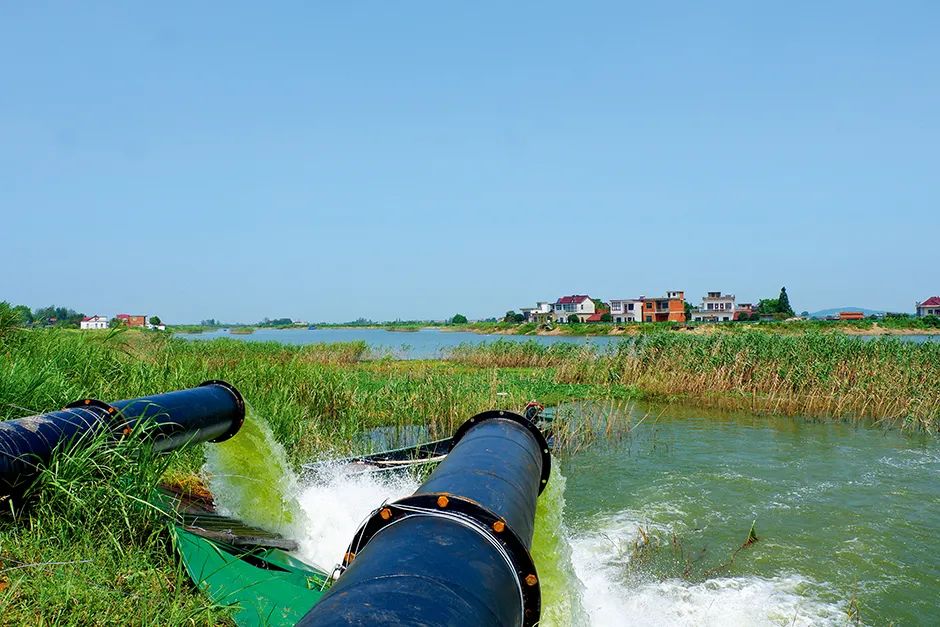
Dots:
(647, 528)
(847, 520)
(425, 343)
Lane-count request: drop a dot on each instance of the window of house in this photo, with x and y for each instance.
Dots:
(649, 318)
(630, 306)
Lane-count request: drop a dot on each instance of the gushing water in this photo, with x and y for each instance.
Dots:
(336, 503)
(551, 552)
(250, 478)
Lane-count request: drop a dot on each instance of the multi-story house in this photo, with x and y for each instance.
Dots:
(132, 321)
(577, 304)
(94, 322)
(716, 307)
(668, 308)
(541, 313)
(930, 307)
(627, 309)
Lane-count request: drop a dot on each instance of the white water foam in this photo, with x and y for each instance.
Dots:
(335, 504)
(750, 600)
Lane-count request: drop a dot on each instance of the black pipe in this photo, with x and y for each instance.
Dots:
(214, 412)
(456, 552)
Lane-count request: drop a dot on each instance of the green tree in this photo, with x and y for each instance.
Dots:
(25, 315)
(155, 320)
(606, 317)
(767, 306)
(573, 318)
(459, 319)
(510, 316)
(783, 303)
(115, 323)
(519, 318)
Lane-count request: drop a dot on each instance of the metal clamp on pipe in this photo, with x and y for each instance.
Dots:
(213, 412)
(456, 552)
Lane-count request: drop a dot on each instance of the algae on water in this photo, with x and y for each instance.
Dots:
(250, 478)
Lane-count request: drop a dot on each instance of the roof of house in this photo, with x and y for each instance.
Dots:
(94, 317)
(933, 301)
(572, 300)
(596, 317)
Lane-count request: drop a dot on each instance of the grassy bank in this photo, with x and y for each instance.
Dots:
(87, 554)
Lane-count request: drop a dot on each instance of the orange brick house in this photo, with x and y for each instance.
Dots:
(669, 308)
(132, 321)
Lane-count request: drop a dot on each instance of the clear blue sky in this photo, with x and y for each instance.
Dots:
(327, 161)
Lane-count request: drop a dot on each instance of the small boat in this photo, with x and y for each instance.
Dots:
(311, 327)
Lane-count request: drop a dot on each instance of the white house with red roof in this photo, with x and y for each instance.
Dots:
(580, 305)
(94, 322)
(930, 307)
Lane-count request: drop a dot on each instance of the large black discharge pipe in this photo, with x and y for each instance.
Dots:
(456, 552)
(214, 412)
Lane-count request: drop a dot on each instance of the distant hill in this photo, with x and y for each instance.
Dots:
(822, 313)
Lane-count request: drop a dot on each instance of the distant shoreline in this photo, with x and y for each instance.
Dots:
(866, 328)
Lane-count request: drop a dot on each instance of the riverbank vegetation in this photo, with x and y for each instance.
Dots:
(830, 376)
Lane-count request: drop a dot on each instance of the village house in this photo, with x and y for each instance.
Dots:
(716, 307)
(627, 310)
(132, 321)
(930, 307)
(743, 311)
(668, 308)
(578, 304)
(541, 313)
(94, 322)
(851, 315)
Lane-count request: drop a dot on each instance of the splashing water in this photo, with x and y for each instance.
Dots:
(250, 478)
(611, 598)
(561, 589)
(582, 575)
(335, 504)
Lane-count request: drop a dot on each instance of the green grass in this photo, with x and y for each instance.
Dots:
(85, 546)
